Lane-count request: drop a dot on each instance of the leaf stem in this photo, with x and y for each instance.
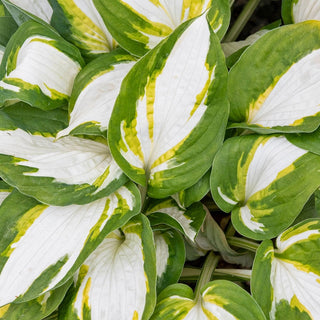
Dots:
(209, 265)
(242, 20)
(243, 243)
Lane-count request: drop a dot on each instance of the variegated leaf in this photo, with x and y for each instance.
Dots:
(33, 120)
(5, 191)
(58, 172)
(286, 278)
(294, 11)
(186, 198)
(100, 82)
(38, 67)
(187, 221)
(170, 257)
(22, 10)
(80, 22)
(35, 309)
(118, 280)
(140, 25)
(262, 183)
(219, 300)
(212, 238)
(42, 246)
(170, 116)
(277, 90)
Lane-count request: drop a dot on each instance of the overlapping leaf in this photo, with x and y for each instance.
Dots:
(42, 246)
(169, 118)
(170, 257)
(80, 22)
(38, 67)
(294, 11)
(262, 183)
(95, 91)
(277, 90)
(140, 25)
(36, 309)
(286, 278)
(118, 280)
(70, 170)
(187, 221)
(221, 300)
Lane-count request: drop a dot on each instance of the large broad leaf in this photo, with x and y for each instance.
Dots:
(167, 212)
(118, 280)
(219, 300)
(294, 11)
(22, 11)
(58, 172)
(33, 120)
(38, 67)
(277, 90)
(261, 183)
(35, 309)
(140, 25)
(170, 256)
(7, 28)
(42, 246)
(95, 91)
(80, 23)
(286, 279)
(5, 191)
(169, 118)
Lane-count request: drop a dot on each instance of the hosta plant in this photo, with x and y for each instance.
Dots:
(147, 173)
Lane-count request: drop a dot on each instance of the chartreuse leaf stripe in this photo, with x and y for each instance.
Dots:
(187, 221)
(39, 8)
(262, 186)
(42, 246)
(145, 23)
(219, 300)
(100, 82)
(170, 257)
(279, 90)
(121, 272)
(38, 308)
(80, 23)
(294, 11)
(291, 272)
(166, 127)
(39, 67)
(58, 172)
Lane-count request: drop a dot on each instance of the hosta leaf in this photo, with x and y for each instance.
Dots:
(22, 11)
(33, 120)
(166, 127)
(7, 28)
(286, 279)
(42, 246)
(100, 82)
(38, 67)
(5, 191)
(80, 23)
(187, 221)
(262, 184)
(195, 193)
(118, 280)
(212, 238)
(140, 25)
(59, 172)
(35, 309)
(294, 11)
(276, 90)
(170, 257)
(220, 299)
